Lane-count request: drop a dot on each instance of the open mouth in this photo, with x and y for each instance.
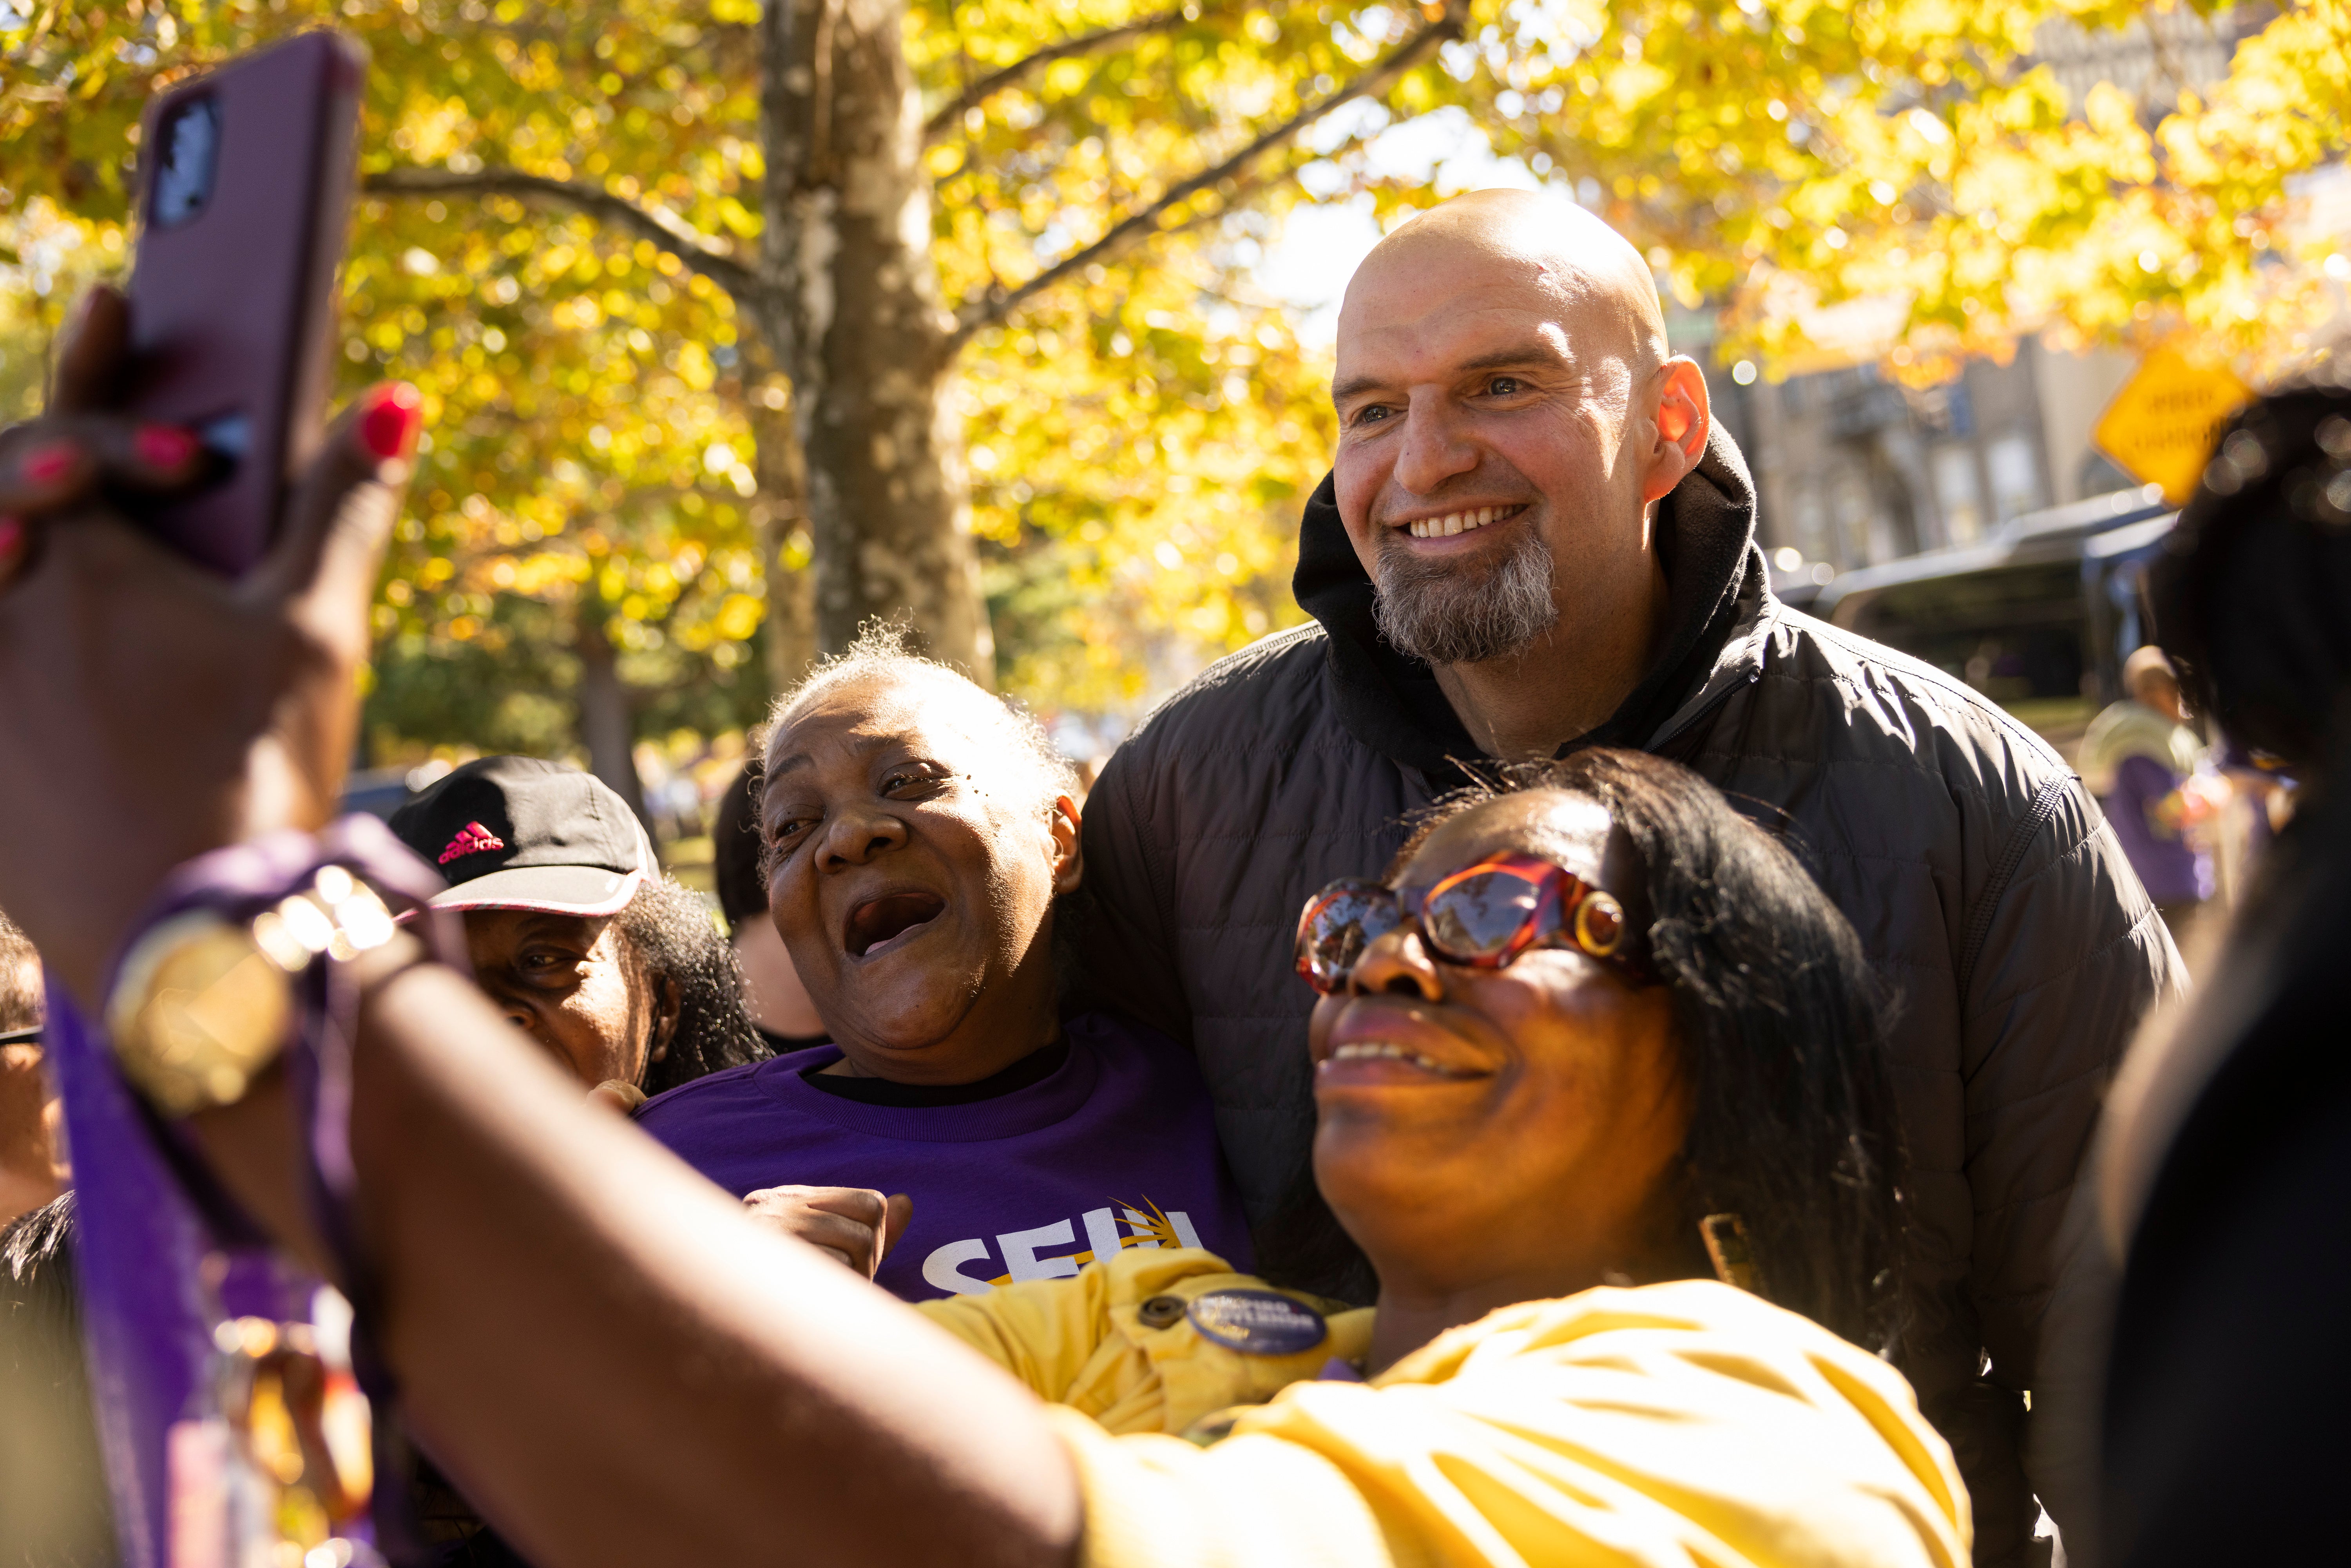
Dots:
(1461, 522)
(1381, 1060)
(882, 923)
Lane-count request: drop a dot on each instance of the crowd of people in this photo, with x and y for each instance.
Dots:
(1559, 1059)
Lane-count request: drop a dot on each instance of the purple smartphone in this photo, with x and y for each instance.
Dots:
(244, 199)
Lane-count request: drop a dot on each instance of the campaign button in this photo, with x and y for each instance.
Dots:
(1257, 1322)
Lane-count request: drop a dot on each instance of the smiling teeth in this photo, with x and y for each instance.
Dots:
(1396, 1052)
(1458, 522)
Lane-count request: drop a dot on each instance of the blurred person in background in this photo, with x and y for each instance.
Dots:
(2265, 784)
(613, 966)
(2139, 759)
(779, 1004)
(32, 1166)
(2225, 1172)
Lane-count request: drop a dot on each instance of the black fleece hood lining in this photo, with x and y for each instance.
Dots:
(1391, 701)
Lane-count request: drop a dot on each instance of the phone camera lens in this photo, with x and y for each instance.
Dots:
(188, 144)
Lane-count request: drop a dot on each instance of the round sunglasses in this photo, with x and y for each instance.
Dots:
(1481, 918)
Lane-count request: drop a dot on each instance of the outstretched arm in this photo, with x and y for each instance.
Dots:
(621, 1365)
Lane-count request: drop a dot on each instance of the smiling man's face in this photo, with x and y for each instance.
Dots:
(1489, 389)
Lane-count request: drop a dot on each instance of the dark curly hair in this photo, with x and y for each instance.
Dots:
(1781, 1025)
(669, 929)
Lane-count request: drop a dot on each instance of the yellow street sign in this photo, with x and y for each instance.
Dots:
(2160, 427)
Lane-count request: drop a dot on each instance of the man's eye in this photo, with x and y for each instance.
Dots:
(904, 778)
(1374, 414)
(1505, 386)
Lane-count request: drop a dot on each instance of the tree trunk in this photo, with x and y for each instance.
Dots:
(782, 518)
(857, 315)
(607, 718)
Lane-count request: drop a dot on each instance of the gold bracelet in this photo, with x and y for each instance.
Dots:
(203, 1004)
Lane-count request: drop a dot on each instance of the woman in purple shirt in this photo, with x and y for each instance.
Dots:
(921, 839)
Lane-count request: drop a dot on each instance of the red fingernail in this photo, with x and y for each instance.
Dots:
(48, 465)
(389, 427)
(163, 445)
(12, 536)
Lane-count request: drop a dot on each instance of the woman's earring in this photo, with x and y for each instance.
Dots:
(1725, 1236)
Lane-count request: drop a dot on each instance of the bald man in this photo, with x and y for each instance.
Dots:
(1533, 539)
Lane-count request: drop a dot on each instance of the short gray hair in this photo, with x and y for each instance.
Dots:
(887, 650)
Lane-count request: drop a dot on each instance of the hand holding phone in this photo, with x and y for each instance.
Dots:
(244, 199)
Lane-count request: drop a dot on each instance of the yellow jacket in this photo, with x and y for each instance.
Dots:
(1685, 1424)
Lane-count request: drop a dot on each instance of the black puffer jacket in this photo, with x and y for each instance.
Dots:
(1979, 874)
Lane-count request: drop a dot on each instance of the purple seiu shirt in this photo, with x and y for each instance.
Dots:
(1116, 1147)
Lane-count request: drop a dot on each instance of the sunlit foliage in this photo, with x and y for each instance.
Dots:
(1139, 435)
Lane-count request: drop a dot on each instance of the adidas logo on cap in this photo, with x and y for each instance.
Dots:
(471, 839)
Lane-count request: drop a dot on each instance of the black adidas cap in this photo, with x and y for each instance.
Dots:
(517, 832)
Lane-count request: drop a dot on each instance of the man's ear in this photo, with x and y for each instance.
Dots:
(1680, 428)
(1069, 853)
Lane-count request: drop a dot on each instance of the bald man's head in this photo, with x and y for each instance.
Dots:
(1508, 417)
(1553, 245)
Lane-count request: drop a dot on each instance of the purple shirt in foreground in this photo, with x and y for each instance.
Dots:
(1116, 1148)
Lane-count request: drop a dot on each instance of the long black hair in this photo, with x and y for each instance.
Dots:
(1781, 1026)
(2252, 593)
(670, 930)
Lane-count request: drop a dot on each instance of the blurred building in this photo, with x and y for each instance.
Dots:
(1853, 470)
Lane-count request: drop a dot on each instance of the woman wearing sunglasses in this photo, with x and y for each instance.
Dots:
(1625, 1010)
(1544, 1087)
(1594, 1043)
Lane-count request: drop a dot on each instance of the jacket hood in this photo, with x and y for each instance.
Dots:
(1391, 701)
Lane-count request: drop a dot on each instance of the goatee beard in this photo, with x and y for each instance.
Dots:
(1463, 615)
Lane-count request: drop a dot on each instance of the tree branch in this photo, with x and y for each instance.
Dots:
(974, 315)
(988, 86)
(673, 234)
